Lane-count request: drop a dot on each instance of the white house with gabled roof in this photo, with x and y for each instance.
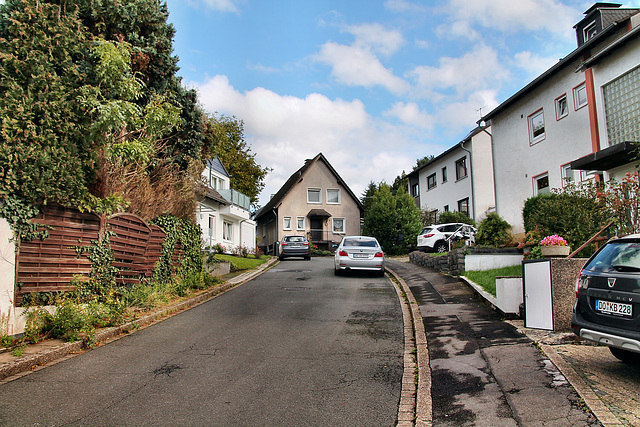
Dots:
(224, 213)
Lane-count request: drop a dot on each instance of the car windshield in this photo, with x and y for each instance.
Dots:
(617, 256)
(295, 239)
(357, 242)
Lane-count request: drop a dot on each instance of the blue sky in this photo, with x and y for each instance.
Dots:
(372, 84)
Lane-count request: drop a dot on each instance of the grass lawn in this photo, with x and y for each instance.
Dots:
(487, 279)
(240, 263)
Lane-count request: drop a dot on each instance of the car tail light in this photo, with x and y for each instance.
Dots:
(426, 236)
(379, 255)
(306, 243)
(581, 282)
(343, 253)
(284, 244)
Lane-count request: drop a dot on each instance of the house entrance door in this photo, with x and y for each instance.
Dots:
(316, 223)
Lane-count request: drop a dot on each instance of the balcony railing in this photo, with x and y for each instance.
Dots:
(323, 236)
(237, 198)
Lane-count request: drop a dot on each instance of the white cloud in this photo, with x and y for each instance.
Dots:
(283, 131)
(376, 38)
(475, 70)
(516, 16)
(221, 5)
(355, 66)
(457, 29)
(462, 116)
(410, 113)
(403, 6)
(534, 64)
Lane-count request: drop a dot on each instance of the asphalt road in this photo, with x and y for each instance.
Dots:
(484, 372)
(296, 346)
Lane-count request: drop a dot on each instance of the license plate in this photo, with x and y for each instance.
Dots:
(616, 308)
(360, 256)
(296, 246)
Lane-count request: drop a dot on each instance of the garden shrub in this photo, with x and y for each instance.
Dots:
(493, 231)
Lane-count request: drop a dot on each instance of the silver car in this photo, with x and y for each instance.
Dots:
(359, 253)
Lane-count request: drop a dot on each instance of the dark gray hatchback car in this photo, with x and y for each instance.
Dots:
(294, 246)
(607, 308)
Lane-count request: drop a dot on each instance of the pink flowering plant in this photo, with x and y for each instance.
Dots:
(553, 240)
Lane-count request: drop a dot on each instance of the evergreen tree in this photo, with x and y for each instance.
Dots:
(380, 219)
(45, 151)
(408, 218)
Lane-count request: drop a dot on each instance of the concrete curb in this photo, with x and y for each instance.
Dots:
(30, 363)
(415, 402)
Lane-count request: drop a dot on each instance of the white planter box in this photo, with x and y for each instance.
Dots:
(509, 294)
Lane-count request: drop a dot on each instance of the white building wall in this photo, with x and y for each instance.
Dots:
(610, 68)
(449, 192)
(517, 162)
(482, 174)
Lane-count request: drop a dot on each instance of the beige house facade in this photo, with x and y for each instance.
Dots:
(314, 202)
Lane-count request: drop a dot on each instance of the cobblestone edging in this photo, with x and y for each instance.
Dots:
(415, 407)
(32, 362)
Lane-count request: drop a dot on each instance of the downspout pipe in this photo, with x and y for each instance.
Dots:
(275, 214)
(473, 196)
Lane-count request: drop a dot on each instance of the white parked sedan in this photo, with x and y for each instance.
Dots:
(359, 253)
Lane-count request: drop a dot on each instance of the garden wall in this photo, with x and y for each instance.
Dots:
(49, 265)
(455, 261)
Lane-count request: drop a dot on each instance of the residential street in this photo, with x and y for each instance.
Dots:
(483, 371)
(296, 346)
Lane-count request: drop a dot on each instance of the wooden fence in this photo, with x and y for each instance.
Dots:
(50, 264)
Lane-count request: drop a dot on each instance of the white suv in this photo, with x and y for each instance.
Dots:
(439, 237)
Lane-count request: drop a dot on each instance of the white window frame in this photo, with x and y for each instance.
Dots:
(434, 181)
(566, 179)
(577, 104)
(314, 191)
(460, 203)
(286, 223)
(333, 226)
(298, 226)
(227, 231)
(531, 120)
(589, 31)
(339, 193)
(560, 114)
(536, 189)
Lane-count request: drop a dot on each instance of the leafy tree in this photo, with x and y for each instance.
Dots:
(143, 25)
(401, 182)
(367, 195)
(224, 136)
(379, 218)
(423, 161)
(393, 220)
(409, 219)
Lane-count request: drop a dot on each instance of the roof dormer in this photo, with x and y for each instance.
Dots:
(599, 17)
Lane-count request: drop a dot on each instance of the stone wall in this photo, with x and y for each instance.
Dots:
(564, 273)
(454, 262)
(450, 263)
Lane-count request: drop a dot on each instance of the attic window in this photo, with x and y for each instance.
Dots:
(589, 31)
(314, 195)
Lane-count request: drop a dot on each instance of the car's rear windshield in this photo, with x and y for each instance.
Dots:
(426, 230)
(294, 239)
(616, 256)
(356, 242)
